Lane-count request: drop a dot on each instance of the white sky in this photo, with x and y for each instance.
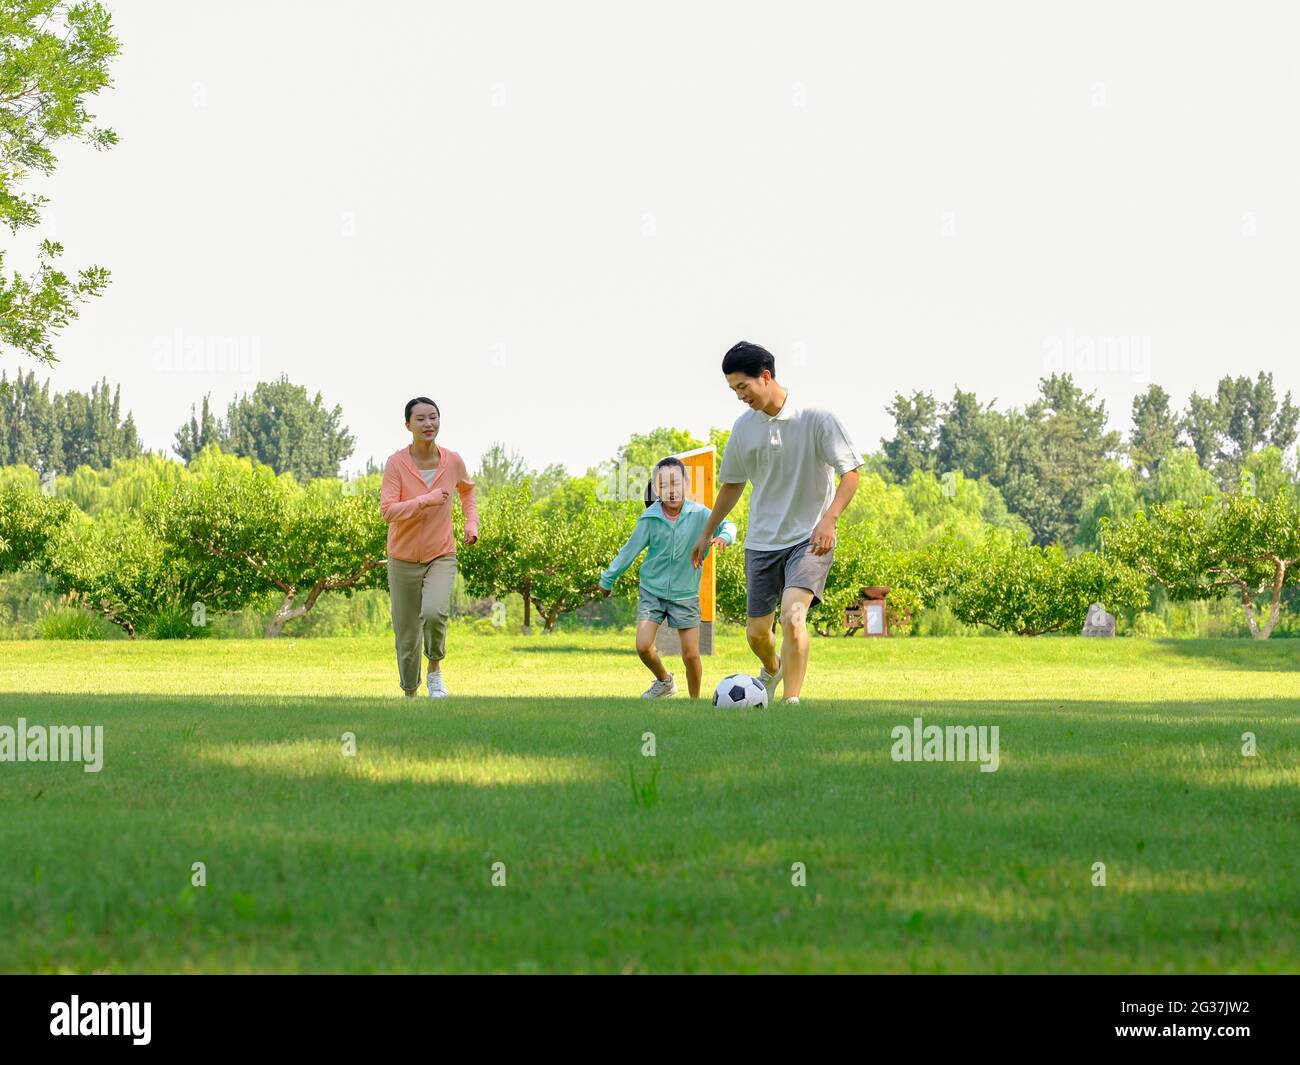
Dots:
(555, 217)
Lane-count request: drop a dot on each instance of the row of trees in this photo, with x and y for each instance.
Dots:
(61, 431)
(1050, 459)
(164, 546)
(279, 424)
(220, 536)
(1054, 465)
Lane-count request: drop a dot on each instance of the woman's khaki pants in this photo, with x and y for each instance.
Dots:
(421, 597)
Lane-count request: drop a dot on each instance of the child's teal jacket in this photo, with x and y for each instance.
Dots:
(667, 571)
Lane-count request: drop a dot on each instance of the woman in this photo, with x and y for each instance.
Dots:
(415, 501)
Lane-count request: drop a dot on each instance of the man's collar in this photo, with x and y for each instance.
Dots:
(784, 413)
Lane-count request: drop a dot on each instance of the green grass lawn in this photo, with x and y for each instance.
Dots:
(1125, 752)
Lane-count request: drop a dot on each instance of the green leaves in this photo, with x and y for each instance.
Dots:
(245, 533)
(28, 520)
(278, 425)
(1029, 590)
(53, 57)
(1237, 544)
(551, 552)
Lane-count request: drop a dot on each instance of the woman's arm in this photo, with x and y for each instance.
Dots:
(392, 507)
(469, 506)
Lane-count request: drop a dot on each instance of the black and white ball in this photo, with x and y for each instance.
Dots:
(739, 690)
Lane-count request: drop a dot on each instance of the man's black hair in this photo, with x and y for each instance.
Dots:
(650, 484)
(749, 359)
(419, 399)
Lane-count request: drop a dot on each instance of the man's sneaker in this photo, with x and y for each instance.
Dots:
(661, 689)
(768, 680)
(793, 700)
(437, 690)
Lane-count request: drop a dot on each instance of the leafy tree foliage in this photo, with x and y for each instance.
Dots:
(59, 432)
(1240, 545)
(552, 555)
(279, 426)
(245, 533)
(53, 58)
(28, 519)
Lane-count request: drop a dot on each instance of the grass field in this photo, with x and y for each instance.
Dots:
(1125, 752)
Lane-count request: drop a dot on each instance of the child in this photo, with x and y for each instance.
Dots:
(670, 584)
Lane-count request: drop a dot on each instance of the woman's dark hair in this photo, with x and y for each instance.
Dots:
(749, 359)
(650, 485)
(419, 399)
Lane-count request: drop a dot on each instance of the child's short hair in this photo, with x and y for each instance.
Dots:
(650, 496)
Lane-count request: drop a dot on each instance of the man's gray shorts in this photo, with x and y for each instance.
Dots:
(769, 573)
(681, 613)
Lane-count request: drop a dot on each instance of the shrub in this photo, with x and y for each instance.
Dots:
(70, 623)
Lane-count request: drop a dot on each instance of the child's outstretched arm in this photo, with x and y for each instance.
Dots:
(636, 543)
(726, 531)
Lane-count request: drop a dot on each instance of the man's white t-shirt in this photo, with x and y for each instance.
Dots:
(788, 457)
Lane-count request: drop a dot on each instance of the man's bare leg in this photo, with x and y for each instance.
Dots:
(795, 603)
(762, 641)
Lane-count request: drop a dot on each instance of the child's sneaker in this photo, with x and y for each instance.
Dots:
(768, 680)
(661, 689)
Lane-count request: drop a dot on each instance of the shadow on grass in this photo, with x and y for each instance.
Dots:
(1268, 656)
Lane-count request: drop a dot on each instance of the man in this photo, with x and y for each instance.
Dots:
(787, 452)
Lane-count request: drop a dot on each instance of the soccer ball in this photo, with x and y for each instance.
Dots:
(738, 690)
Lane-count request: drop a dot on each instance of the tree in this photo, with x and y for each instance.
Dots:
(960, 435)
(1264, 474)
(28, 521)
(115, 565)
(1242, 417)
(54, 56)
(1179, 477)
(551, 556)
(499, 467)
(278, 426)
(1029, 589)
(1239, 544)
(1114, 497)
(124, 486)
(59, 432)
(246, 534)
(1155, 431)
(1069, 456)
(199, 432)
(624, 477)
(916, 434)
